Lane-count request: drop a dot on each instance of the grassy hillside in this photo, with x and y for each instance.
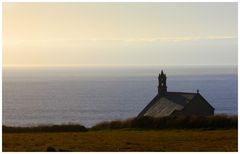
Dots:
(124, 140)
(189, 133)
(45, 128)
(171, 122)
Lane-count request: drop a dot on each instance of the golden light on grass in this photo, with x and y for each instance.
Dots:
(125, 140)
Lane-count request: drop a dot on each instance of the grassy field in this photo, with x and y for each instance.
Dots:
(124, 140)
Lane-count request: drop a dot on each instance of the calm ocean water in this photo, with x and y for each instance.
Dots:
(91, 95)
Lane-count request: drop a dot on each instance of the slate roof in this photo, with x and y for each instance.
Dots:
(165, 105)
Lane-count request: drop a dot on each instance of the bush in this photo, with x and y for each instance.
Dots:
(47, 128)
(172, 122)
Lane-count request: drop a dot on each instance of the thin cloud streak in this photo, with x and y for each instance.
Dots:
(127, 40)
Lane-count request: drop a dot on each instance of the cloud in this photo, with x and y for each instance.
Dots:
(179, 39)
(120, 40)
(158, 39)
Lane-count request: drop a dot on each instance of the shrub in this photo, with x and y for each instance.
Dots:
(46, 128)
(172, 122)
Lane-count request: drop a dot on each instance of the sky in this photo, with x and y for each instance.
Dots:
(113, 34)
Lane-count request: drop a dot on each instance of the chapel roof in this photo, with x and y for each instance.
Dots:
(167, 104)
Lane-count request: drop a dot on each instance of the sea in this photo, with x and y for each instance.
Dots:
(91, 94)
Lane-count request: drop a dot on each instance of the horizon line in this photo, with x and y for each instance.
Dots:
(109, 65)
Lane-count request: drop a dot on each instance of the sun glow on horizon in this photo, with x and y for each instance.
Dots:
(116, 34)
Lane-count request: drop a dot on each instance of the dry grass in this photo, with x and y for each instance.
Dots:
(172, 122)
(45, 128)
(125, 140)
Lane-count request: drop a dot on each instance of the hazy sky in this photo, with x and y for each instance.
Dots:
(73, 34)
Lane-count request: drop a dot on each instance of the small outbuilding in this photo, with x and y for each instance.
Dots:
(176, 103)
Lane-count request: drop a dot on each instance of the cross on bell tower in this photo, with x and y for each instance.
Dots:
(162, 87)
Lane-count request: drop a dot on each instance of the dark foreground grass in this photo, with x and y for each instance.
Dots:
(173, 122)
(45, 128)
(186, 133)
(124, 140)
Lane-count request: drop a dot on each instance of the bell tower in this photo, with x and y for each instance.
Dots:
(162, 86)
